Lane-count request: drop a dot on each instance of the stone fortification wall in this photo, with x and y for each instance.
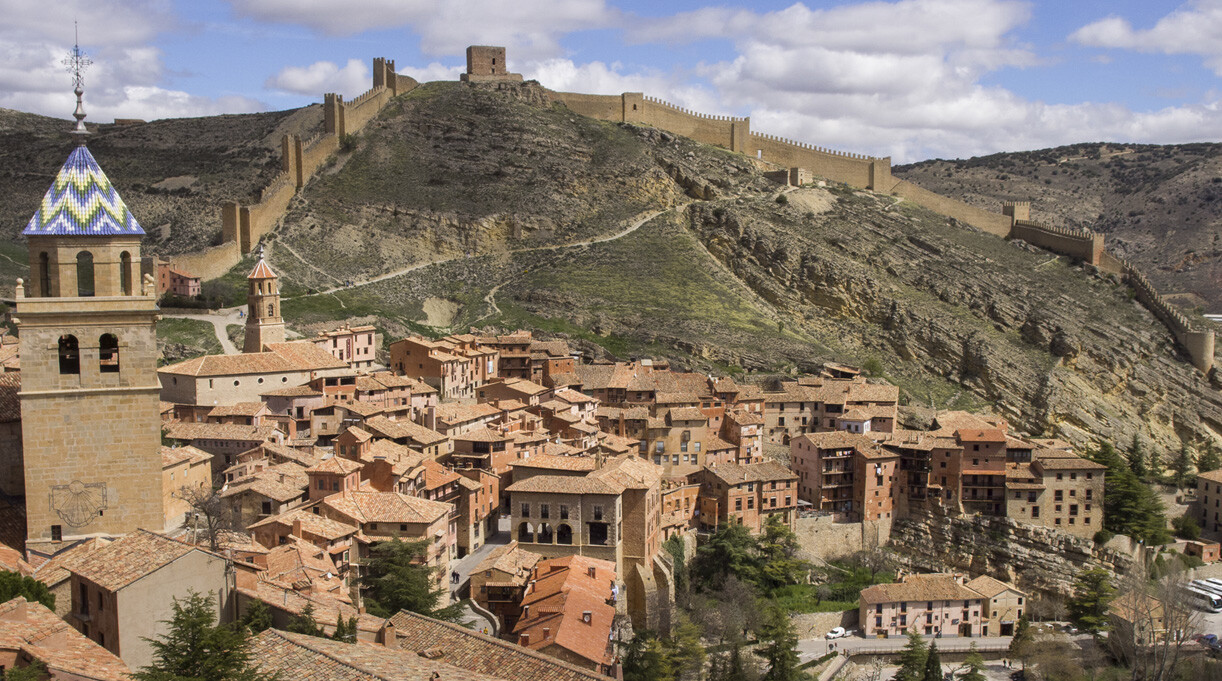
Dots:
(715, 130)
(823, 539)
(1035, 558)
(246, 224)
(817, 624)
(1077, 243)
(1196, 341)
(986, 221)
(209, 263)
(852, 169)
(602, 107)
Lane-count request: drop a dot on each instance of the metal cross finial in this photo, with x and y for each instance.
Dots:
(76, 62)
(260, 251)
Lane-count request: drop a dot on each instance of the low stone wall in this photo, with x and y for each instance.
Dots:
(817, 624)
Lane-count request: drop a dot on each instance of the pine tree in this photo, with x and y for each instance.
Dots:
(912, 659)
(780, 647)
(1137, 459)
(305, 622)
(686, 653)
(257, 617)
(778, 550)
(1093, 592)
(195, 648)
(933, 664)
(1180, 465)
(13, 584)
(344, 631)
(731, 550)
(35, 671)
(1209, 459)
(1129, 506)
(1020, 645)
(646, 659)
(396, 578)
(973, 666)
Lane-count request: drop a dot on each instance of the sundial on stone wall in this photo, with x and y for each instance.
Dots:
(78, 503)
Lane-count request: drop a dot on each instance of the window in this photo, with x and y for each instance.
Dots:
(108, 354)
(44, 275)
(659, 447)
(266, 508)
(69, 355)
(125, 272)
(84, 274)
(271, 310)
(57, 533)
(598, 512)
(544, 511)
(738, 504)
(564, 512)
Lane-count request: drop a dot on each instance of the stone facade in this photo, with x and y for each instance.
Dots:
(89, 396)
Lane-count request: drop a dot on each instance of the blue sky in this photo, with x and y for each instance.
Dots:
(911, 79)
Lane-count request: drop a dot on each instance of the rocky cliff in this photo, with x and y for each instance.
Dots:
(1034, 558)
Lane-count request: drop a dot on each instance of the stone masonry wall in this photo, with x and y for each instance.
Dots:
(823, 539)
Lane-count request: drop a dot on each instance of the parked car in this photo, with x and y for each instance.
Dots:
(838, 632)
(1208, 639)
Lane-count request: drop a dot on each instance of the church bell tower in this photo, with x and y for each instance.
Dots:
(89, 390)
(263, 321)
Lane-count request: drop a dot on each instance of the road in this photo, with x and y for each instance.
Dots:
(219, 320)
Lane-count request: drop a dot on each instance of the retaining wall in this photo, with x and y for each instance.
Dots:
(822, 538)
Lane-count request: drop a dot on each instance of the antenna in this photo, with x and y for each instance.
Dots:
(76, 62)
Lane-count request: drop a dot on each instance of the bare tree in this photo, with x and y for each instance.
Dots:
(1053, 659)
(1151, 622)
(1049, 607)
(214, 515)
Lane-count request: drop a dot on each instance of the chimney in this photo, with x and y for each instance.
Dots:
(297, 528)
(547, 633)
(591, 571)
(587, 616)
(525, 639)
(386, 635)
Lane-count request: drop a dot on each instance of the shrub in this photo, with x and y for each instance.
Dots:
(1103, 536)
(782, 199)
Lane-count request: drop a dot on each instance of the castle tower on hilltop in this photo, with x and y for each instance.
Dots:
(486, 64)
(89, 391)
(263, 321)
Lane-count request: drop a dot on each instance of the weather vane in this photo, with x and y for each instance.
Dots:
(76, 62)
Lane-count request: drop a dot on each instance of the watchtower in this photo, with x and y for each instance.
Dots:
(91, 422)
(263, 321)
(486, 63)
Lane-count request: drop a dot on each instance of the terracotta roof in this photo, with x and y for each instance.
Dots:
(1211, 476)
(566, 484)
(561, 595)
(564, 463)
(1068, 463)
(733, 473)
(476, 652)
(310, 658)
(988, 587)
(282, 482)
(572, 396)
(630, 472)
(238, 409)
(686, 414)
(172, 456)
(218, 431)
(55, 569)
(298, 356)
(32, 629)
(261, 271)
(10, 404)
(403, 429)
(510, 559)
(368, 506)
(482, 435)
(12, 561)
(932, 587)
(335, 464)
(745, 418)
(455, 412)
(980, 435)
(296, 561)
(129, 558)
(312, 523)
(295, 391)
(437, 475)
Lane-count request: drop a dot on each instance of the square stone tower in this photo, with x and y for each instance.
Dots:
(486, 63)
(89, 390)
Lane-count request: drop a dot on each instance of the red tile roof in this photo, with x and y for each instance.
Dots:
(309, 658)
(32, 629)
(567, 607)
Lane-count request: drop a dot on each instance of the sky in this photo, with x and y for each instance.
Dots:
(909, 79)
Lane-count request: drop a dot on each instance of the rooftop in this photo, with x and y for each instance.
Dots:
(128, 559)
(82, 202)
(310, 658)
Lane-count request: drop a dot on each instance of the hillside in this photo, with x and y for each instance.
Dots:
(492, 207)
(1160, 206)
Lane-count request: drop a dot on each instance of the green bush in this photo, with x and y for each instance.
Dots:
(782, 199)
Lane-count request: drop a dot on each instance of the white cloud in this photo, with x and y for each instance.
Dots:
(530, 28)
(323, 76)
(1193, 28)
(433, 71)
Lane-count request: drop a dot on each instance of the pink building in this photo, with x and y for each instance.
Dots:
(934, 605)
(176, 282)
(354, 345)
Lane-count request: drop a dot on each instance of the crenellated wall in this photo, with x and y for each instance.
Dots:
(246, 224)
(986, 221)
(1197, 342)
(1084, 245)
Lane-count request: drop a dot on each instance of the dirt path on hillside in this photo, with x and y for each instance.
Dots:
(412, 268)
